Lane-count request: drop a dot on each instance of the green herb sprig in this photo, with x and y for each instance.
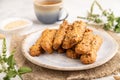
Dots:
(8, 64)
(112, 23)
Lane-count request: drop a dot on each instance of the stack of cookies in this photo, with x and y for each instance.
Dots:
(75, 40)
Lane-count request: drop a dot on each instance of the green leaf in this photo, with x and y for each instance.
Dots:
(1, 70)
(117, 28)
(13, 51)
(105, 13)
(24, 70)
(11, 74)
(97, 20)
(118, 19)
(100, 7)
(10, 69)
(111, 18)
(107, 26)
(92, 7)
(6, 78)
(11, 61)
(4, 46)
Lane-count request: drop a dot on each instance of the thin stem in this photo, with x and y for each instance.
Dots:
(4, 50)
(92, 7)
(100, 7)
(81, 17)
(86, 18)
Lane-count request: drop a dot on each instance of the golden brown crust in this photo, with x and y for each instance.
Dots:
(71, 54)
(88, 58)
(60, 34)
(47, 40)
(85, 45)
(61, 50)
(74, 34)
(36, 49)
(97, 42)
(91, 56)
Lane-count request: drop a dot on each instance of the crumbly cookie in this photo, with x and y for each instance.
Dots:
(74, 34)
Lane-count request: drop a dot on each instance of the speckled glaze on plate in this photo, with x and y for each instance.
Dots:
(61, 62)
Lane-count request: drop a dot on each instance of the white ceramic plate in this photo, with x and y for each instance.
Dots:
(61, 62)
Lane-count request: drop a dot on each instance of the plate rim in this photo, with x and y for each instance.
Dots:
(106, 59)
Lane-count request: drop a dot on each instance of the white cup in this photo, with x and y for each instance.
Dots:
(49, 11)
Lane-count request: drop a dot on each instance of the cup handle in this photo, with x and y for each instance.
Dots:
(66, 14)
